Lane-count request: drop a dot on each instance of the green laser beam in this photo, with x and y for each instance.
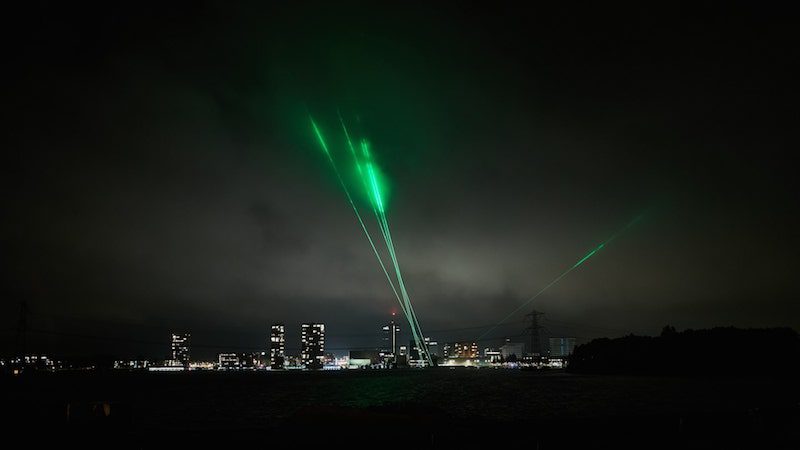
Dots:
(357, 165)
(322, 143)
(377, 195)
(390, 245)
(565, 273)
(365, 149)
(350, 144)
(370, 180)
(589, 255)
(421, 340)
(383, 222)
(375, 188)
(379, 210)
(380, 217)
(355, 210)
(415, 326)
(365, 183)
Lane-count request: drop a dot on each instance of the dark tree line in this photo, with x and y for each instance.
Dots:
(717, 351)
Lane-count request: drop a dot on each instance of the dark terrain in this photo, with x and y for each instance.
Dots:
(440, 406)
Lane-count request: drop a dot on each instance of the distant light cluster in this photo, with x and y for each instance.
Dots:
(312, 356)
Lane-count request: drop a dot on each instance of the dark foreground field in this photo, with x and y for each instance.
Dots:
(441, 406)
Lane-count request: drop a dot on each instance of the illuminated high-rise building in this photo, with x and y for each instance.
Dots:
(228, 361)
(390, 332)
(180, 349)
(416, 355)
(461, 350)
(388, 353)
(312, 340)
(491, 355)
(433, 347)
(277, 346)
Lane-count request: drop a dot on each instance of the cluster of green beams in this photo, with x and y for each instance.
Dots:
(367, 172)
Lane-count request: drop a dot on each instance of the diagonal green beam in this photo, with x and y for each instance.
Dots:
(380, 209)
(565, 273)
(419, 337)
(370, 186)
(327, 152)
(369, 180)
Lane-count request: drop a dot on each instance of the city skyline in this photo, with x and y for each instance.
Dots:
(379, 339)
(313, 356)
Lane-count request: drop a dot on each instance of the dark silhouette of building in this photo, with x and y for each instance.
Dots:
(537, 347)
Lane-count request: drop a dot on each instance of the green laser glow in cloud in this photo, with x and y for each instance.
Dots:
(370, 180)
(375, 189)
(383, 222)
(377, 202)
(327, 152)
(379, 206)
(585, 258)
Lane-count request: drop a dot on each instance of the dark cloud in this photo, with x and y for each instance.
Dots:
(161, 173)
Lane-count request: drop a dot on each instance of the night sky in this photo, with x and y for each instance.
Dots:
(160, 173)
